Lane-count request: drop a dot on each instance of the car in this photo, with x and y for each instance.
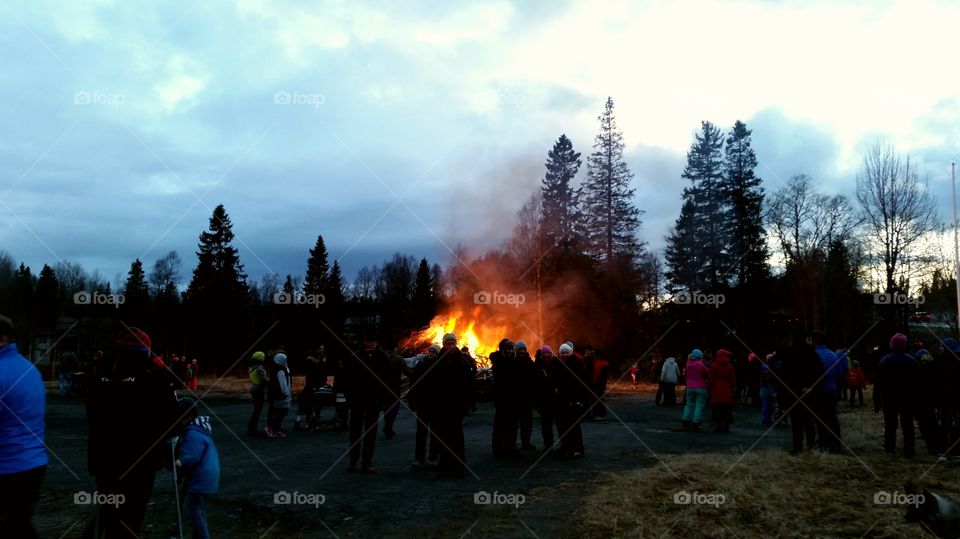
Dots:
(920, 316)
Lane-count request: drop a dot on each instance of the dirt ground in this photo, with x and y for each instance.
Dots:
(396, 501)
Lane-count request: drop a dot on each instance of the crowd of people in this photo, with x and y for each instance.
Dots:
(137, 425)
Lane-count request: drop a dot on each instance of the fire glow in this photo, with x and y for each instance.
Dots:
(481, 337)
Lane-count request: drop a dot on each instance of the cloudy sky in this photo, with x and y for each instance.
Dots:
(413, 125)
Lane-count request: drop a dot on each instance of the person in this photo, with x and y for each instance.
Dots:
(471, 364)
(768, 396)
(525, 398)
(697, 374)
(856, 383)
(193, 375)
(828, 390)
(278, 395)
(925, 403)
(544, 388)
(366, 394)
(573, 394)
(895, 388)
(131, 411)
(393, 377)
(200, 463)
(721, 385)
(599, 376)
(23, 455)
(68, 364)
(633, 373)
(419, 399)
(801, 369)
(506, 391)
(448, 383)
(315, 378)
(669, 373)
(258, 390)
(753, 372)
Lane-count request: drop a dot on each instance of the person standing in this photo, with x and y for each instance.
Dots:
(279, 395)
(801, 370)
(828, 423)
(131, 411)
(200, 463)
(525, 381)
(696, 394)
(366, 394)
(419, 397)
(391, 405)
(506, 417)
(545, 390)
(315, 377)
(573, 394)
(599, 375)
(68, 364)
(895, 389)
(449, 382)
(23, 456)
(669, 374)
(193, 375)
(856, 383)
(721, 386)
(258, 390)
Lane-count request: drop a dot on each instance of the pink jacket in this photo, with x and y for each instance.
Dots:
(697, 374)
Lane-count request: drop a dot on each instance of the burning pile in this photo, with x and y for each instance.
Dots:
(480, 336)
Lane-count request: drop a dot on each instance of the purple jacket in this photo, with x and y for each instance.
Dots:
(697, 374)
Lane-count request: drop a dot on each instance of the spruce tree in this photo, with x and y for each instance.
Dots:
(747, 246)
(611, 219)
(709, 218)
(560, 215)
(317, 269)
(682, 255)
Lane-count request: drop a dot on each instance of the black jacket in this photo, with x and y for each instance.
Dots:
(800, 368)
(896, 382)
(445, 384)
(365, 379)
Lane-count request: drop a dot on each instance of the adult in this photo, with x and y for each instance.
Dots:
(506, 392)
(471, 365)
(131, 411)
(258, 390)
(721, 386)
(418, 396)
(573, 394)
(68, 364)
(800, 371)
(449, 382)
(545, 394)
(658, 379)
(669, 375)
(23, 455)
(279, 393)
(895, 388)
(393, 377)
(526, 374)
(697, 374)
(828, 391)
(599, 375)
(366, 395)
(925, 410)
(314, 379)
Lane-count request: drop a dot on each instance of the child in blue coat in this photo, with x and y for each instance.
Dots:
(200, 463)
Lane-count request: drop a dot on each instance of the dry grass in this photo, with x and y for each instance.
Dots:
(769, 493)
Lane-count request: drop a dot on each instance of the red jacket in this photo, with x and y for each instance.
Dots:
(856, 379)
(722, 381)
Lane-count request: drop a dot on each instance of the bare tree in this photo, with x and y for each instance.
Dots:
(805, 221)
(897, 207)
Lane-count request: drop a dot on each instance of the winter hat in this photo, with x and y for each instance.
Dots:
(951, 344)
(434, 348)
(696, 354)
(132, 337)
(723, 356)
(570, 344)
(752, 357)
(449, 337)
(280, 358)
(504, 344)
(258, 357)
(566, 349)
(520, 345)
(923, 355)
(898, 342)
(545, 349)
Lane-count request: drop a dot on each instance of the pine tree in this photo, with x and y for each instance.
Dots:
(46, 309)
(682, 255)
(560, 218)
(709, 221)
(317, 269)
(424, 296)
(136, 295)
(748, 246)
(611, 218)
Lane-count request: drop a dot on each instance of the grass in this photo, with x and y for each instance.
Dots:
(769, 493)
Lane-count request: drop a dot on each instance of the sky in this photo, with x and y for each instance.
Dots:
(413, 126)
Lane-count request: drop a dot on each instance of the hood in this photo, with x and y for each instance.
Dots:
(723, 356)
(670, 359)
(280, 359)
(202, 423)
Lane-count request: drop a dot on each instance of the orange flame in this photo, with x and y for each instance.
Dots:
(481, 339)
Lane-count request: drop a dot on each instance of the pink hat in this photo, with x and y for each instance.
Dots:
(545, 349)
(898, 342)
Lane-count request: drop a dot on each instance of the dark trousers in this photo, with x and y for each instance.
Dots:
(424, 428)
(363, 434)
(669, 390)
(723, 416)
(526, 424)
(506, 421)
(659, 397)
(19, 493)
(891, 413)
(547, 421)
(449, 430)
(571, 436)
(802, 425)
(858, 392)
(275, 415)
(828, 425)
(599, 408)
(390, 416)
(258, 394)
(126, 519)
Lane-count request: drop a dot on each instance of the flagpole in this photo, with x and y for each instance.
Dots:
(956, 241)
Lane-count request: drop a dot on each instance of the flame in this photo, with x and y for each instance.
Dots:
(480, 338)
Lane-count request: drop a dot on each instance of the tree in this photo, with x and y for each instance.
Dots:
(683, 255)
(136, 295)
(612, 220)
(708, 215)
(898, 210)
(318, 269)
(805, 221)
(47, 300)
(164, 275)
(560, 215)
(747, 245)
(424, 296)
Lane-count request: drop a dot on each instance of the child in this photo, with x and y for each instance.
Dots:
(633, 372)
(856, 382)
(200, 463)
(768, 396)
(278, 392)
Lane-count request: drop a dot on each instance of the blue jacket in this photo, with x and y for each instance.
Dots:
(835, 370)
(22, 404)
(199, 457)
